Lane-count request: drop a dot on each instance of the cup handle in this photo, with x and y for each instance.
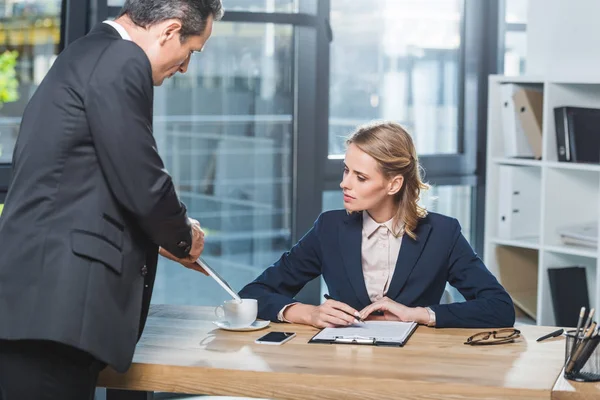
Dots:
(220, 312)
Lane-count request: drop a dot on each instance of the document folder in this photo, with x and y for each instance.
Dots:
(374, 333)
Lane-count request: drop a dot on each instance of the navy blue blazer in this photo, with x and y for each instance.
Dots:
(440, 254)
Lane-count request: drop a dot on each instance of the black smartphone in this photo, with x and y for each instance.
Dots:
(275, 338)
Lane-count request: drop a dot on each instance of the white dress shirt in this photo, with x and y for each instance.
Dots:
(380, 246)
(119, 29)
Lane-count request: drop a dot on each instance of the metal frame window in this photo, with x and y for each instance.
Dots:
(314, 172)
(478, 59)
(508, 26)
(312, 36)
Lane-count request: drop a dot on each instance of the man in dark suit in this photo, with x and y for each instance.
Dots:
(90, 203)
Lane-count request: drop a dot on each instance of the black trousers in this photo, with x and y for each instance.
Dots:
(43, 370)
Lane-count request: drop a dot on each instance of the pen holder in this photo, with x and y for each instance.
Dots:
(584, 366)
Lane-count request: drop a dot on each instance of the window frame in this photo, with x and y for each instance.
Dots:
(312, 35)
(480, 56)
(478, 59)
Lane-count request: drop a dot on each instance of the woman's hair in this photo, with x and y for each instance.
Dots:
(393, 149)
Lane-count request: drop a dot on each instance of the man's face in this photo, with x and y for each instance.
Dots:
(168, 55)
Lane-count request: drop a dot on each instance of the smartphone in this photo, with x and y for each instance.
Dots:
(275, 338)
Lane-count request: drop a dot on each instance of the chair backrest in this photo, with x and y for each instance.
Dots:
(446, 297)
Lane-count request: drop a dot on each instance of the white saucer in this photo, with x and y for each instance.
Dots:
(256, 325)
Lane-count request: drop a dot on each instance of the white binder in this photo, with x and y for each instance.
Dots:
(519, 202)
(514, 138)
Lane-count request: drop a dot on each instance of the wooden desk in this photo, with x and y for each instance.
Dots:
(181, 351)
(565, 389)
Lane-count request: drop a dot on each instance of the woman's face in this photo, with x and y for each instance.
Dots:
(363, 184)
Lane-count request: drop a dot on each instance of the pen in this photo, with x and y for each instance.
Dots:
(587, 350)
(580, 348)
(575, 339)
(358, 318)
(589, 321)
(551, 335)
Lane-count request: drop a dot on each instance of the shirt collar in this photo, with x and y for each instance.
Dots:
(119, 29)
(370, 226)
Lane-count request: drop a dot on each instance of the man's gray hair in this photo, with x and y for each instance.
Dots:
(192, 13)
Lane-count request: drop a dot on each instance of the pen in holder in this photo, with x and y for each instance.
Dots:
(584, 365)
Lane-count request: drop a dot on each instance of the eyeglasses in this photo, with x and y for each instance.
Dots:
(494, 337)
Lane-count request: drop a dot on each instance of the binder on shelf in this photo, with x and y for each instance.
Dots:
(568, 288)
(529, 105)
(577, 138)
(518, 202)
(514, 138)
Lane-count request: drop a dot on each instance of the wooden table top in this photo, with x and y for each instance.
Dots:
(565, 389)
(181, 351)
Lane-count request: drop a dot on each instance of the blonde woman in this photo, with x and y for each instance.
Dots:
(384, 256)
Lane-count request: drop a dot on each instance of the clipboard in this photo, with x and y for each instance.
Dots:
(377, 338)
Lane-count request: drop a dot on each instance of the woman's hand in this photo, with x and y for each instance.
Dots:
(328, 315)
(393, 311)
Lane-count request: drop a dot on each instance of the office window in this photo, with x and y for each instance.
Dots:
(396, 60)
(516, 11)
(279, 6)
(225, 131)
(515, 37)
(29, 41)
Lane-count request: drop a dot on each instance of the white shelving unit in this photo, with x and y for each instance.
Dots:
(569, 194)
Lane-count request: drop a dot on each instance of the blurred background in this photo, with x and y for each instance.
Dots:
(253, 134)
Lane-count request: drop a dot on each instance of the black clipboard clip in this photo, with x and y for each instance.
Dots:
(354, 340)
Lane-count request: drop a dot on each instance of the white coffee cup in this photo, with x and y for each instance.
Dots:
(236, 314)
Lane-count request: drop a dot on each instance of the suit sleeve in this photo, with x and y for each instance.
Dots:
(487, 304)
(118, 104)
(277, 285)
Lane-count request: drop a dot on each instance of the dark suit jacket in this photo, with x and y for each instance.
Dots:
(440, 254)
(88, 204)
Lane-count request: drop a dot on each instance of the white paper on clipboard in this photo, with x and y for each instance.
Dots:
(219, 279)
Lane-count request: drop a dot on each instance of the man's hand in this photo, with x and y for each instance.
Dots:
(196, 250)
(393, 311)
(183, 261)
(197, 241)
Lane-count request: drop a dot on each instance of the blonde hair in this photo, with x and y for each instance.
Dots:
(393, 149)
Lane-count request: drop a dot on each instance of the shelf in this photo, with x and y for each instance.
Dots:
(517, 161)
(573, 250)
(526, 301)
(517, 79)
(573, 166)
(522, 318)
(551, 164)
(533, 244)
(538, 80)
(518, 272)
(565, 193)
(524, 243)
